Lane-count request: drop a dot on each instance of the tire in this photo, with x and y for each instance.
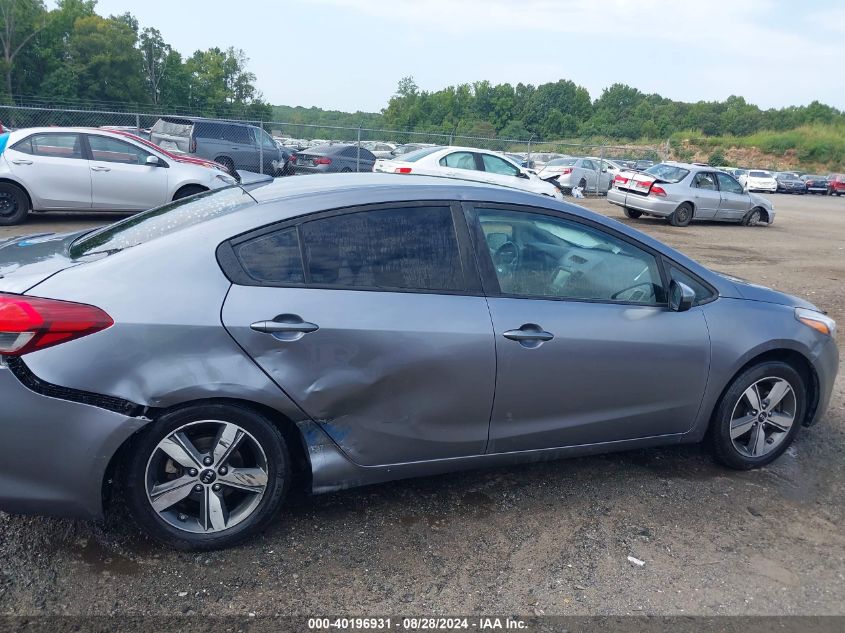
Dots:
(14, 204)
(681, 216)
(735, 411)
(582, 184)
(752, 218)
(247, 501)
(631, 213)
(228, 163)
(188, 190)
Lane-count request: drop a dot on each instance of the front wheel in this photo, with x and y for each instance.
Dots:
(752, 218)
(759, 415)
(681, 216)
(207, 477)
(631, 213)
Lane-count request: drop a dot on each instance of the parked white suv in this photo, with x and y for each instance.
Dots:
(84, 169)
(468, 163)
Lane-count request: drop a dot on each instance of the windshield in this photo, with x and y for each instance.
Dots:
(412, 157)
(786, 174)
(668, 173)
(154, 223)
(759, 174)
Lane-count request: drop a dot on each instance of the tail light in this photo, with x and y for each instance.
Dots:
(566, 171)
(402, 170)
(323, 160)
(28, 324)
(620, 180)
(292, 158)
(192, 146)
(657, 191)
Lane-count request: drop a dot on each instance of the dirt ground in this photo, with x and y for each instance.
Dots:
(550, 538)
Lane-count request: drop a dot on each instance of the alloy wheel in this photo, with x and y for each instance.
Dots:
(8, 204)
(206, 476)
(762, 417)
(754, 218)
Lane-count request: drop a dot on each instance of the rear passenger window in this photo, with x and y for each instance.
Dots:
(409, 249)
(52, 145)
(273, 258)
(236, 134)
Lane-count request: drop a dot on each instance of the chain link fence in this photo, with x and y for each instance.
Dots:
(282, 148)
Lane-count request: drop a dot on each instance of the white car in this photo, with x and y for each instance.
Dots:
(578, 172)
(380, 149)
(759, 180)
(83, 169)
(468, 163)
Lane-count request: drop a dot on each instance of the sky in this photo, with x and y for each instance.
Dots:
(350, 54)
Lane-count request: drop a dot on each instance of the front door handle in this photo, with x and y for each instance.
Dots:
(22, 161)
(100, 168)
(280, 327)
(529, 335)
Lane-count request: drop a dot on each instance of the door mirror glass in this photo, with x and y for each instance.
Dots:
(152, 161)
(681, 296)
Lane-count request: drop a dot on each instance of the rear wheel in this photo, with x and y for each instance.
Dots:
(582, 184)
(759, 416)
(631, 213)
(207, 477)
(14, 204)
(681, 216)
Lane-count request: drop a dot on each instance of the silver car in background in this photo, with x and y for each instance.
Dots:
(90, 169)
(571, 172)
(681, 193)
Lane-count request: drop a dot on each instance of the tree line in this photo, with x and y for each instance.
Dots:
(564, 110)
(72, 55)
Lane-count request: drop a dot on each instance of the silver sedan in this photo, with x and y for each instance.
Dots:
(682, 193)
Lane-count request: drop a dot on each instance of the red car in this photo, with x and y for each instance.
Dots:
(836, 184)
(180, 158)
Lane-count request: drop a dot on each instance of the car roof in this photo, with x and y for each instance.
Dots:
(192, 120)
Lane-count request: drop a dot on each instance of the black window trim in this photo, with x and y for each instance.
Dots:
(490, 281)
(668, 262)
(472, 285)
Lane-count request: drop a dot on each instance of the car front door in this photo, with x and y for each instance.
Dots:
(498, 171)
(121, 179)
(587, 350)
(705, 195)
(53, 168)
(735, 201)
(373, 321)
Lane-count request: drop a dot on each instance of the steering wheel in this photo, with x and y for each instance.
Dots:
(506, 258)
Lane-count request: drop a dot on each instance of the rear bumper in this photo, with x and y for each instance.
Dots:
(652, 205)
(54, 453)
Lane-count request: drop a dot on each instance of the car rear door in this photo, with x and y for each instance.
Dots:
(587, 350)
(734, 200)
(121, 179)
(54, 169)
(372, 320)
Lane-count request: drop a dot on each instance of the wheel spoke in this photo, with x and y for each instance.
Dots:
(742, 425)
(778, 392)
(757, 444)
(213, 514)
(180, 449)
(167, 494)
(753, 396)
(227, 441)
(781, 422)
(248, 479)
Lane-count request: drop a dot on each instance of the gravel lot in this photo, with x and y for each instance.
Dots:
(551, 538)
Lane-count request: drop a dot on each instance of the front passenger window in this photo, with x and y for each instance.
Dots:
(536, 255)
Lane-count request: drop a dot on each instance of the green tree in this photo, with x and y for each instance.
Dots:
(20, 22)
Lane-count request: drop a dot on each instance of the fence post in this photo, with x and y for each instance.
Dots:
(261, 148)
(601, 170)
(138, 123)
(528, 160)
(358, 156)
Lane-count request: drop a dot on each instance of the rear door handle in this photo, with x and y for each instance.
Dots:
(282, 327)
(529, 333)
(100, 168)
(22, 161)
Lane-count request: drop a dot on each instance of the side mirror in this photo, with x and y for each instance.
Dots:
(523, 174)
(152, 161)
(681, 296)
